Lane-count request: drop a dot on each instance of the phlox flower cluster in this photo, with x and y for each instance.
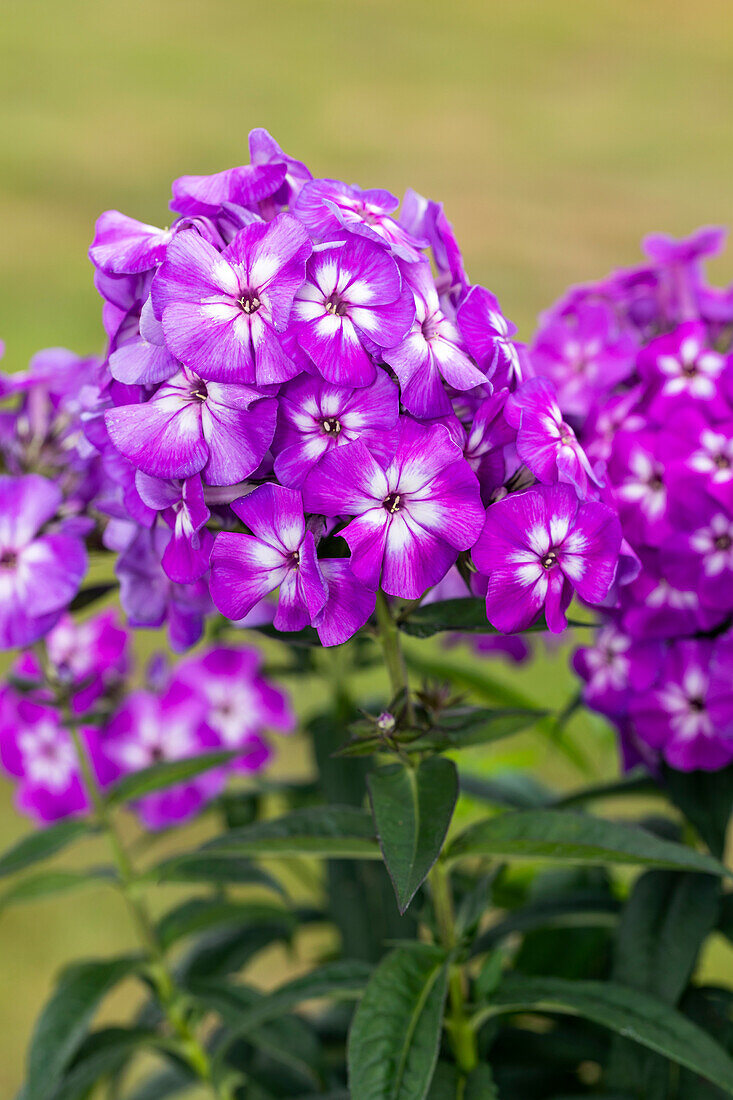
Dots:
(216, 699)
(643, 370)
(304, 395)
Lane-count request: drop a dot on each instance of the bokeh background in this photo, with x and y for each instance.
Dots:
(557, 133)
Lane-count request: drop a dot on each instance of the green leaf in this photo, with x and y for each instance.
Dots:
(412, 811)
(200, 914)
(334, 832)
(514, 790)
(628, 1012)
(495, 691)
(63, 1023)
(576, 838)
(465, 726)
(706, 799)
(343, 980)
(168, 773)
(48, 883)
(662, 928)
(167, 1082)
(633, 783)
(217, 870)
(93, 593)
(104, 1052)
(467, 615)
(226, 948)
(42, 843)
(480, 1085)
(395, 1034)
(444, 1085)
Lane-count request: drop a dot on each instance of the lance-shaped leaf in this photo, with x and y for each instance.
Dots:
(576, 838)
(333, 832)
(635, 1015)
(104, 1052)
(201, 914)
(64, 1021)
(217, 870)
(343, 980)
(49, 883)
(412, 811)
(42, 844)
(395, 1034)
(466, 615)
(168, 773)
(462, 727)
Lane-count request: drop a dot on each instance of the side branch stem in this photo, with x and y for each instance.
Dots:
(170, 997)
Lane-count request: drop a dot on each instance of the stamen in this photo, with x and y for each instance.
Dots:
(723, 542)
(200, 391)
(331, 425)
(549, 560)
(392, 503)
(249, 302)
(335, 306)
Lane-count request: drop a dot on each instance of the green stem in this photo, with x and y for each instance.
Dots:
(461, 1034)
(170, 998)
(394, 658)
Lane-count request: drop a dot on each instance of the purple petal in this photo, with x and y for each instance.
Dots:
(243, 571)
(245, 185)
(349, 603)
(124, 245)
(163, 436)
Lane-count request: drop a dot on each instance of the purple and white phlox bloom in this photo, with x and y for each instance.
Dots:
(125, 246)
(192, 426)
(150, 729)
(328, 207)
(150, 598)
(278, 553)
(144, 359)
(242, 186)
(315, 417)
(411, 518)
(614, 667)
(638, 471)
(425, 219)
(223, 313)
(688, 713)
(183, 507)
(431, 353)
(242, 707)
(540, 546)
(488, 336)
(584, 360)
(40, 573)
(545, 443)
(37, 750)
(698, 555)
(681, 364)
(352, 299)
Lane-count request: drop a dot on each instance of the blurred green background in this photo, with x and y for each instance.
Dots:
(557, 133)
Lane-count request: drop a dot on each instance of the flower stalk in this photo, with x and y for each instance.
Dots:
(170, 997)
(461, 1033)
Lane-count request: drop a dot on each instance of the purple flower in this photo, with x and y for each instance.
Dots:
(243, 186)
(585, 359)
(150, 729)
(39, 573)
(89, 658)
(688, 713)
(352, 298)
(614, 667)
(241, 705)
(431, 351)
(125, 246)
(263, 149)
(315, 417)
(348, 606)
(190, 425)
(144, 359)
(278, 553)
(182, 505)
(488, 336)
(638, 470)
(149, 597)
(411, 519)
(545, 443)
(682, 364)
(37, 749)
(424, 218)
(327, 207)
(699, 554)
(539, 546)
(223, 312)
